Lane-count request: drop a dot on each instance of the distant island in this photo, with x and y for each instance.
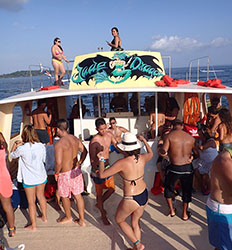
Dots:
(24, 73)
(21, 73)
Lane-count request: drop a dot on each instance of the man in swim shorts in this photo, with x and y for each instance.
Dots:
(39, 119)
(219, 204)
(101, 142)
(178, 145)
(68, 171)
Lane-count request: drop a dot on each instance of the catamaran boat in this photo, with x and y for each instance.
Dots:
(106, 73)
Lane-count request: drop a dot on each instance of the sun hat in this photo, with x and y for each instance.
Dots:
(129, 142)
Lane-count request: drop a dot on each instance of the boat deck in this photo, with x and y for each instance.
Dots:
(159, 231)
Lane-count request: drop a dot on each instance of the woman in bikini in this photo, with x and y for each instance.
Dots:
(224, 119)
(116, 42)
(57, 56)
(131, 169)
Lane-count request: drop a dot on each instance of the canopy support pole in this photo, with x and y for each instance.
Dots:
(81, 118)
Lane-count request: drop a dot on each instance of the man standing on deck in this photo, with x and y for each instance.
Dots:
(68, 171)
(219, 204)
(39, 119)
(178, 145)
(101, 142)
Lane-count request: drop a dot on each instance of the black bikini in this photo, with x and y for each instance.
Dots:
(133, 182)
(141, 199)
(116, 49)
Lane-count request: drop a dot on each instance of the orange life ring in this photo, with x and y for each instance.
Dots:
(51, 133)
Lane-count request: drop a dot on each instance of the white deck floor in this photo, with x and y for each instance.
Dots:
(159, 231)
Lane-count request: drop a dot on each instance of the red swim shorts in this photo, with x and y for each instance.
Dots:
(70, 182)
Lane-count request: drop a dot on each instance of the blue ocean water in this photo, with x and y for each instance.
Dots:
(13, 86)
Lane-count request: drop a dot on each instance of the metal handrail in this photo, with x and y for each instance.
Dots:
(189, 74)
(169, 64)
(40, 67)
(69, 76)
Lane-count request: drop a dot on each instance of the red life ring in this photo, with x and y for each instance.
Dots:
(50, 87)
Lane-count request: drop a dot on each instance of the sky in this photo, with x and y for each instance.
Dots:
(182, 29)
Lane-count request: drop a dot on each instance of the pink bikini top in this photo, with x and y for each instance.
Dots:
(59, 52)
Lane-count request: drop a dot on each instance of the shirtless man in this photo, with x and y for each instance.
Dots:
(39, 119)
(178, 145)
(160, 120)
(68, 171)
(116, 130)
(101, 142)
(219, 204)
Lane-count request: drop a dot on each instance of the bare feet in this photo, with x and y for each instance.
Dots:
(139, 246)
(105, 221)
(80, 222)
(30, 227)
(12, 231)
(43, 218)
(64, 220)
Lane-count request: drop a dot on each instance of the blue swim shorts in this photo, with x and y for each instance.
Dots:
(112, 149)
(219, 218)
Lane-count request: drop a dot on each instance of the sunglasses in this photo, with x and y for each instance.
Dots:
(59, 41)
(112, 123)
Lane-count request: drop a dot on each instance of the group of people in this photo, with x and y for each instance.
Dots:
(31, 172)
(219, 203)
(178, 147)
(58, 55)
(208, 158)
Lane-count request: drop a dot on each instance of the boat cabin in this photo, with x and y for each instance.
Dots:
(112, 84)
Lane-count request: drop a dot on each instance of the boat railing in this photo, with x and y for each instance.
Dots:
(169, 64)
(43, 70)
(68, 70)
(207, 71)
(46, 70)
